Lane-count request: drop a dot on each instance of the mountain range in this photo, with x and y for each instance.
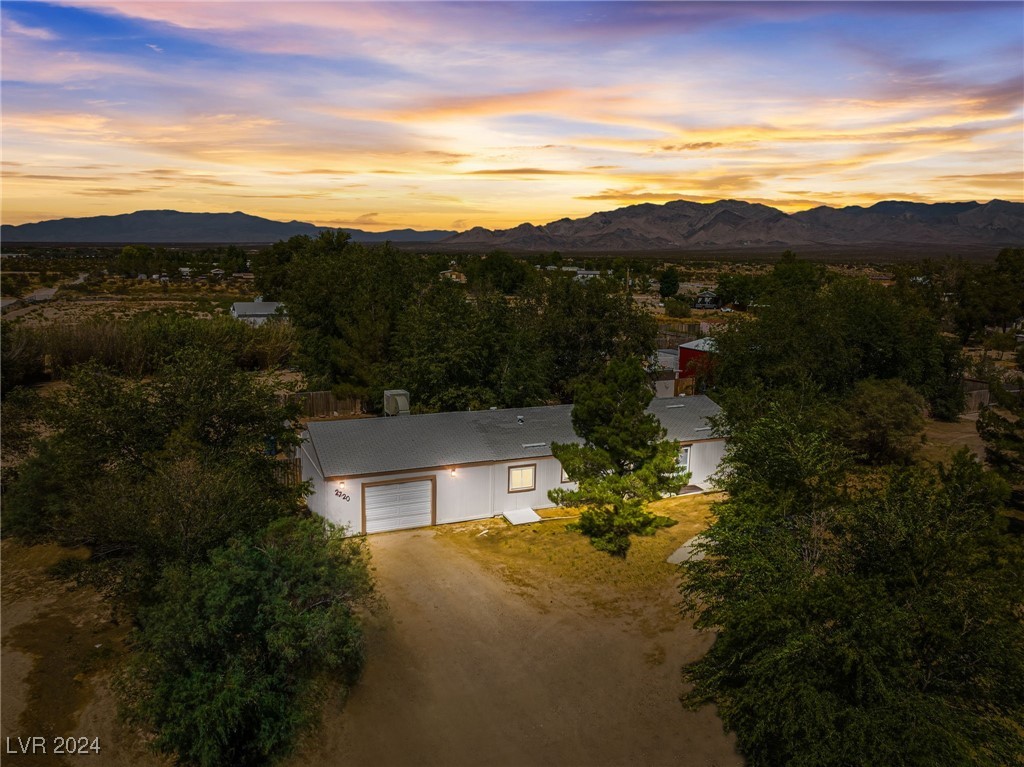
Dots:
(171, 226)
(678, 225)
(734, 224)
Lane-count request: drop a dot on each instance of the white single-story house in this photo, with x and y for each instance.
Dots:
(256, 312)
(378, 474)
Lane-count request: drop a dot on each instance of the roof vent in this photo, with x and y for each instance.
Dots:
(535, 444)
(519, 419)
(396, 402)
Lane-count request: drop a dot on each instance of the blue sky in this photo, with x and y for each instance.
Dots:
(452, 115)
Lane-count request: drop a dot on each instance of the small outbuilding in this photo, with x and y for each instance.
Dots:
(257, 312)
(380, 474)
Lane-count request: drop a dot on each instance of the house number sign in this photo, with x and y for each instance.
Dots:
(343, 496)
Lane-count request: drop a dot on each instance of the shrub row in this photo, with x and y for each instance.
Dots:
(138, 346)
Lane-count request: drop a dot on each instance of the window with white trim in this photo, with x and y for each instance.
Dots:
(683, 461)
(522, 478)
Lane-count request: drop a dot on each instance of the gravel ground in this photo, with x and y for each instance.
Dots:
(467, 668)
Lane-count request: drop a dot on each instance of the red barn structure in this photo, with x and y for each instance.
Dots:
(695, 363)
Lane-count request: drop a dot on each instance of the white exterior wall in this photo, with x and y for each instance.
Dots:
(475, 492)
(704, 460)
(548, 475)
(464, 496)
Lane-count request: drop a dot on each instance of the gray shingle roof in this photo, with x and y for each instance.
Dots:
(372, 445)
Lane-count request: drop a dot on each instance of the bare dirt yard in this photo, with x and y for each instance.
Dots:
(525, 646)
(942, 439)
(58, 653)
(500, 646)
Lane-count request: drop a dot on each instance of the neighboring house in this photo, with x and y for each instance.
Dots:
(707, 299)
(379, 474)
(454, 275)
(257, 312)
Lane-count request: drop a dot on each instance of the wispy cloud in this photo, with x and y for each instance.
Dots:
(12, 28)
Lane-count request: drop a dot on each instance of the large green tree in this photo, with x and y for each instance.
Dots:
(881, 421)
(245, 610)
(668, 282)
(234, 657)
(858, 623)
(582, 325)
(453, 351)
(344, 299)
(1001, 426)
(624, 461)
(830, 336)
(147, 473)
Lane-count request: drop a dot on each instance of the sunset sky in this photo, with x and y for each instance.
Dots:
(452, 115)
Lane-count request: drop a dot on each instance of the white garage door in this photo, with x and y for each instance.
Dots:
(398, 506)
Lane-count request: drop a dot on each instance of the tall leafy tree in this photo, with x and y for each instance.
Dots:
(235, 656)
(147, 473)
(245, 610)
(345, 299)
(668, 282)
(1001, 426)
(832, 336)
(582, 325)
(444, 350)
(857, 623)
(881, 421)
(624, 461)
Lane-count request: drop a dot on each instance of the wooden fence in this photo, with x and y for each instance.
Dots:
(288, 471)
(976, 395)
(322, 404)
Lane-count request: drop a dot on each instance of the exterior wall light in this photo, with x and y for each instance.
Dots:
(453, 472)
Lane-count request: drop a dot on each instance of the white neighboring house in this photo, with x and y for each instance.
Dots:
(257, 312)
(378, 474)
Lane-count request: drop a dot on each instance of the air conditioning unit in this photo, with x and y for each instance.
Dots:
(396, 402)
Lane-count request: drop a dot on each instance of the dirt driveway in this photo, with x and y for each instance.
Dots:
(469, 668)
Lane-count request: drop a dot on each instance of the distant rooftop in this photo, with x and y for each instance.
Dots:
(706, 344)
(255, 308)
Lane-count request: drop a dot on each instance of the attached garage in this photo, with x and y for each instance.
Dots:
(398, 505)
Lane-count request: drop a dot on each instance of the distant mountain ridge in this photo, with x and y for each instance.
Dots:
(736, 224)
(678, 225)
(167, 226)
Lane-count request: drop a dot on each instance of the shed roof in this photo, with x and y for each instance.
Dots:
(255, 308)
(668, 359)
(706, 344)
(380, 445)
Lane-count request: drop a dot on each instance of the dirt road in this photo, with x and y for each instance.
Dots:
(466, 669)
